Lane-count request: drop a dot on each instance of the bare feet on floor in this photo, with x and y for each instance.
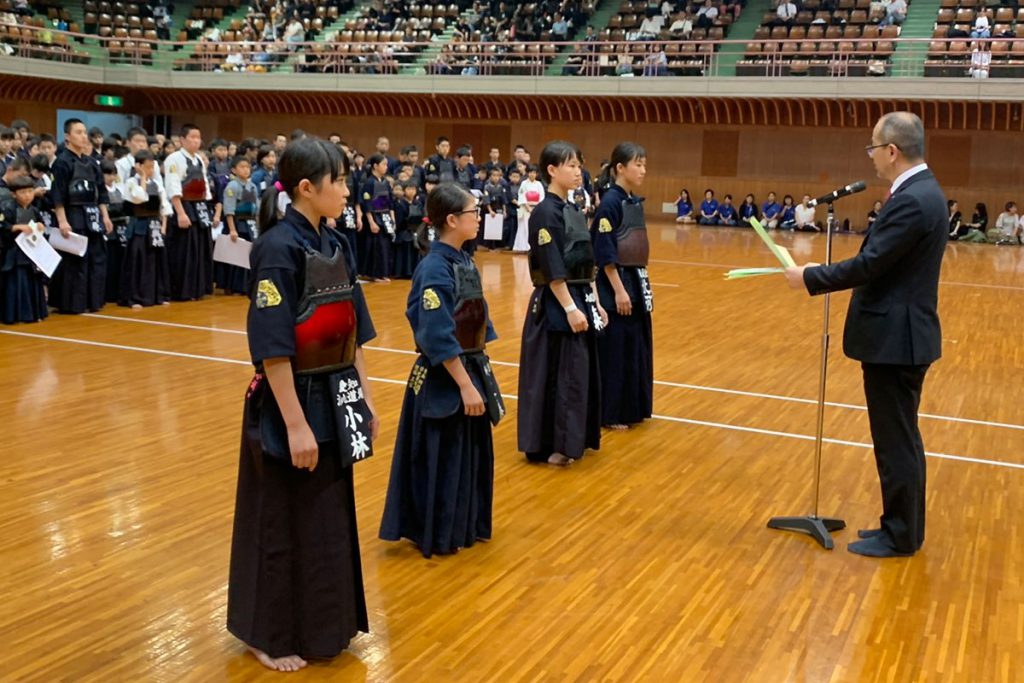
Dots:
(288, 663)
(559, 460)
(618, 428)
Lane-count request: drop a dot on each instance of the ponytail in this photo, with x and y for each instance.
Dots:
(423, 239)
(303, 159)
(623, 153)
(268, 209)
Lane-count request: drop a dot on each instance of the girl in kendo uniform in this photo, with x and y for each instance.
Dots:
(621, 250)
(241, 198)
(559, 384)
(117, 241)
(378, 221)
(22, 294)
(295, 589)
(145, 278)
(442, 472)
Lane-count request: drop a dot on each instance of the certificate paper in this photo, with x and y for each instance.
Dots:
(494, 226)
(39, 251)
(232, 253)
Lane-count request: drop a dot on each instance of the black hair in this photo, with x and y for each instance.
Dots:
(248, 144)
(443, 201)
(19, 163)
(70, 123)
(687, 193)
(518, 147)
(441, 139)
(108, 167)
(981, 209)
(1010, 205)
(94, 131)
(108, 144)
(188, 128)
(752, 198)
(20, 123)
(6, 133)
(531, 167)
(21, 183)
(298, 134)
(303, 159)
(727, 196)
(133, 131)
(40, 162)
(623, 153)
(494, 169)
(143, 155)
(46, 137)
(374, 160)
(218, 142)
(556, 153)
(463, 151)
(432, 179)
(789, 197)
(709, 190)
(265, 151)
(238, 159)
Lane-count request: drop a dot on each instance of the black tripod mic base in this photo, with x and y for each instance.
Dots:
(819, 528)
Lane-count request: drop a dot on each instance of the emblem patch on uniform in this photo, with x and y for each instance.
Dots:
(171, 169)
(366, 195)
(604, 226)
(267, 295)
(543, 237)
(431, 300)
(229, 192)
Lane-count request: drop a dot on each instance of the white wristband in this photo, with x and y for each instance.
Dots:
(571, 308)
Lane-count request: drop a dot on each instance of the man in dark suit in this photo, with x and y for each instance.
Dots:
(892, 325)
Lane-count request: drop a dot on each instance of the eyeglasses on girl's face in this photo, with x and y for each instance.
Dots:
(475, 210)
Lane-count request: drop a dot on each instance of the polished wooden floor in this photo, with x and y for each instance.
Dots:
(647, 561)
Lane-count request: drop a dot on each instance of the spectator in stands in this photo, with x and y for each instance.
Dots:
(771, 210)
(709, 209)
(656, 61)
(560, 28)
(684, 207)
(707, 15)
(682, 27)
(785, 13)
(624, 67)
(748, 210)
(982, 27)
(804, 215)
(895, 13)
(22, 8)
(294, 32)
(1007, 229)
(651, 27)
(955, 218)
(787, 213)
(981, 60)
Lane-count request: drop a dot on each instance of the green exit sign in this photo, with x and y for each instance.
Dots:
(109, 100)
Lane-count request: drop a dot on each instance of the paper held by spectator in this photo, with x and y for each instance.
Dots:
(73, 244)
(38, 250)
(494, 226)
(740, 273)
(232, 253)
(780, 252)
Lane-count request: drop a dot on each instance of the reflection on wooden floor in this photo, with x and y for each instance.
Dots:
(647, 561)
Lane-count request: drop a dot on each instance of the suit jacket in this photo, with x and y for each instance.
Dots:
(893, 316)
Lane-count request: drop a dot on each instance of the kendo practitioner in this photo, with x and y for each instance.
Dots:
(442, 472)
(465, 172)
(439, 164)
(347, 224)
(295, 589)
(378, 222)
(241, 201)
(621, 250)
(117, 241)
(408, 217)
(495, 200)
(145, 278)
(80, 200)
(189, 236)
(22, 284)
(559, 378)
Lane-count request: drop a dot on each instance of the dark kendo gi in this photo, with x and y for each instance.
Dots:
(78, 186)
(442, 473)
(409, 217)
(241, 200)
(189, 250)
(117, 241)
(22, 284)
(559, 382)
(626, 347)
(442, 167)
(145, 277)
(296, 584)
(375, 249)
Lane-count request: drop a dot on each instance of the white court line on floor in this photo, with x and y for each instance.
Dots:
(678, 385)
(666, 418)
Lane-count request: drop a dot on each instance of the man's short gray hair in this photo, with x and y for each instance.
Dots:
(906, 131)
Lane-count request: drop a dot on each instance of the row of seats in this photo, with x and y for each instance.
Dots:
(31, 38)
(967, 15)
(820, 32)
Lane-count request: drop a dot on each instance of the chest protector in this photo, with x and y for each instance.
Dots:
(193, 185)
(151, 207)
(325, 329)
(470, 315)
(245, 208)
(24, 215)
(577, 254)
(445, 170)
(83, 190)
(381, 199)
(631, 235)
(116, 209)
(495, 195)
(415, 217)
(464, 176)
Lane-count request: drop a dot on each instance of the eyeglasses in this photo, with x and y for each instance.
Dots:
(870, 149)
(475, 209)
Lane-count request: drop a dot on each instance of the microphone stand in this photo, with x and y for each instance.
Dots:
(818, 527)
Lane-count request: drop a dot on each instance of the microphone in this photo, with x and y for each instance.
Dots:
(852, 188)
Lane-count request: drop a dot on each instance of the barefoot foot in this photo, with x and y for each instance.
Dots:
(617, 427)
(559, 460)
(288, 663)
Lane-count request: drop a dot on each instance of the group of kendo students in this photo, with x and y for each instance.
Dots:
(295, 589)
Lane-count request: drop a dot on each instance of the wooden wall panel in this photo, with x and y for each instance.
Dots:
(950, 158)
(720, 151)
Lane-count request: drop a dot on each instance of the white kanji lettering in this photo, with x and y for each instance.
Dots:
(360, 447)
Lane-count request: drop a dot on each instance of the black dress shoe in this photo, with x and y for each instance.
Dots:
(868, 533)
(876, 546)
